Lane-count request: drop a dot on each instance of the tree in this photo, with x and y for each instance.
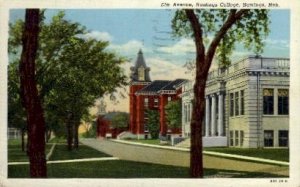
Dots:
(16, 113)
(72, 72)
(173, 114)
(120, 120)
(29, 95)
(225, 26)
(153, 123)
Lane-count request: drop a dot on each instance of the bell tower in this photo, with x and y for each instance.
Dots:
(139, 78)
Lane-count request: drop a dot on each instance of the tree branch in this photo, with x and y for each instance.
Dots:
(197, 29)
(232, 18)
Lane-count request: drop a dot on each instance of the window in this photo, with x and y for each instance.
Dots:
(268, 97)
(155, 102)
(141, 74)
(283, 138)
(241, 138)
(268, 138)
(146, 102)
(236, 138)
(236, 98)
(169, 98)
(283, 102)
(231, 104)
(231, 138)
(242, 103)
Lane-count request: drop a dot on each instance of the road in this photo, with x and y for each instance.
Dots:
(178, 158)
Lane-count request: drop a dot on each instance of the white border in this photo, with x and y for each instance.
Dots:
(294, 179)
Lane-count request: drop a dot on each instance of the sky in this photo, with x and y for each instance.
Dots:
(129, 30)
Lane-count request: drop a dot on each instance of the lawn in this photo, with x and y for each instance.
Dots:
(61, 153)
(15, 153)
(273, 154)
(125, 169)
(109, 169)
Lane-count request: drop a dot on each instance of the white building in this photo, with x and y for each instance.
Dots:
(247, 104)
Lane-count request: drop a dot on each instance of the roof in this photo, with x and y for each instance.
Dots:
(140, 62)
(111, 115)
(160, 85)
(173, 84)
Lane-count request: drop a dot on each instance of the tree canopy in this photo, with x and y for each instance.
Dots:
(153, 123)
(120, 120)
(173, 114)
(250, 28)
(72, 71)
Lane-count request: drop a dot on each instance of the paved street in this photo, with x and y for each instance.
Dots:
(177, 158)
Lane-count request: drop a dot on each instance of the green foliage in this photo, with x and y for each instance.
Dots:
(120, 120)
(153, 123)
(250, 30)
(16, 113)
(173, 114)
(91, 131)
(71, 71)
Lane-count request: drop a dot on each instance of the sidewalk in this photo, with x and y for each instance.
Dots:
(68, 161)
(213, 153)
(168, 156)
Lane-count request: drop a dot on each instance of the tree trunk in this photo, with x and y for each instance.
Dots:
(30, 97)
(76, 138)
(196, 157)
(69, 126)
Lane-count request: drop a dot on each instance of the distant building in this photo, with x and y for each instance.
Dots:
(150, 95)
(247, 104)
(105, 128)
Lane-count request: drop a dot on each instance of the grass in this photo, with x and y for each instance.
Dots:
(61, 153)
(125, 169)
(273, 154)
(15, 153)
(112, 169)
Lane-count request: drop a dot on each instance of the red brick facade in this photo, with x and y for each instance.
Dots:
(154, 95)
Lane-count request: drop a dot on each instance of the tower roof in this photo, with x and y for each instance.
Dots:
(140, 63)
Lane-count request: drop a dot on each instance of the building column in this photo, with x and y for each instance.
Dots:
(213, 115)
(207, 116)
(221, 114)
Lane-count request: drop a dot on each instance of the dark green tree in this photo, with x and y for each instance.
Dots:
(226, 27)
(153, 123)
(16, 113)
(173, 114)
(71, 72)
(120, 120)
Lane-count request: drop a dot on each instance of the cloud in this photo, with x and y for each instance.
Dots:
(277, 44)
(131, 47)
(180, 48)
(166, 70)
(100, 36)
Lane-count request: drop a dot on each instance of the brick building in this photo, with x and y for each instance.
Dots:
(145, 94)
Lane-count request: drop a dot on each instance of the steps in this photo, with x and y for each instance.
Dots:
(185, 143)
(126, 135)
